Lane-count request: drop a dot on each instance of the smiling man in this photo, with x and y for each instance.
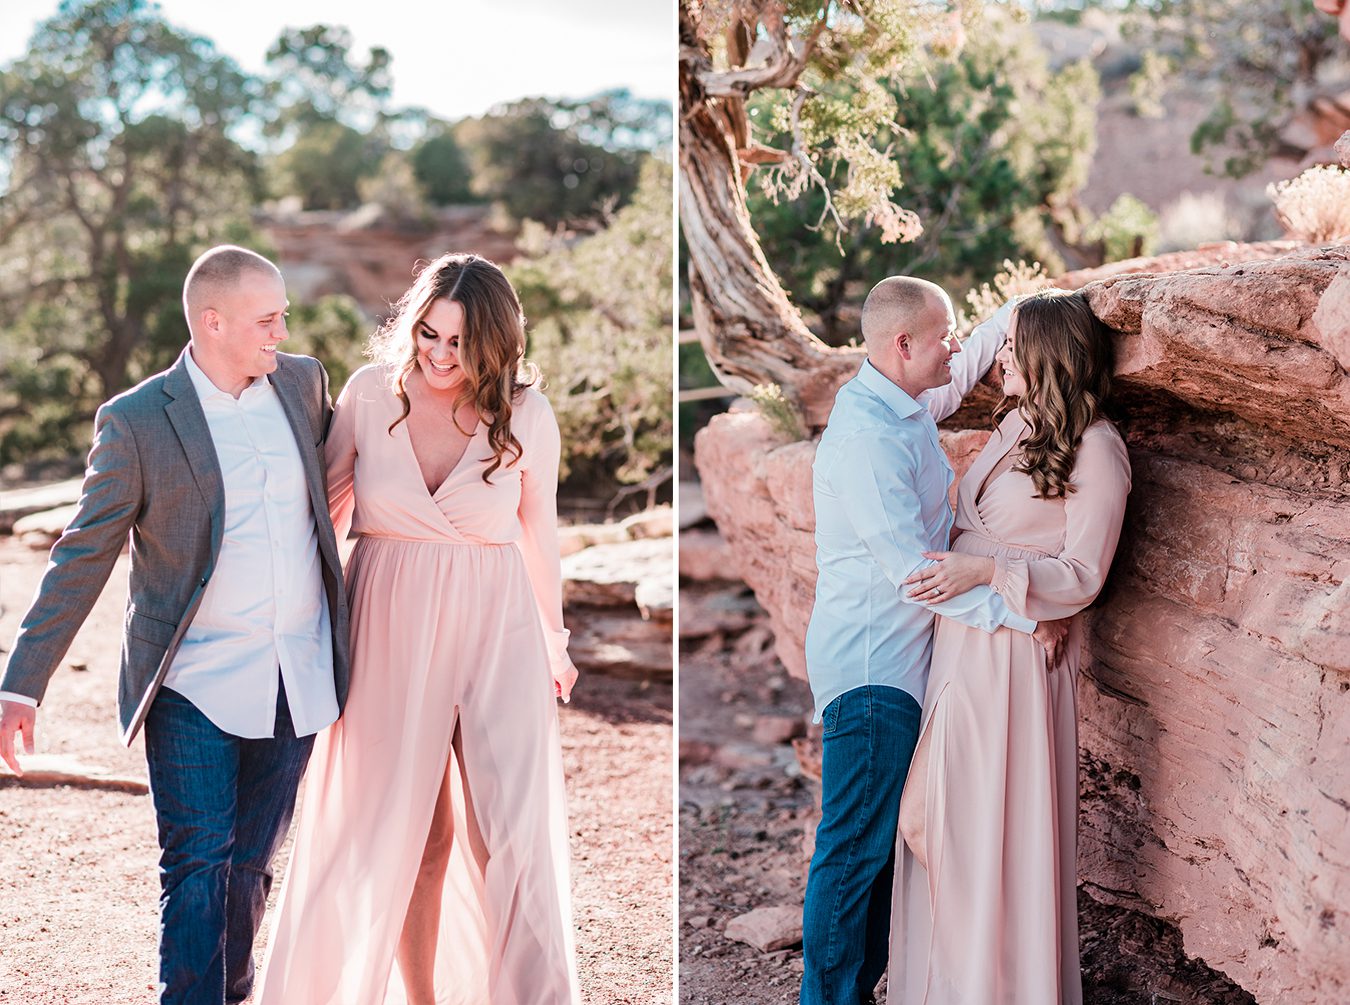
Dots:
(235, 647)
(881, 484)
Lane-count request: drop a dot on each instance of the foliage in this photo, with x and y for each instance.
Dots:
(991, 144)
(559, 161)
(1128, 229)
(315, 80)
(332, 329)
(1014, 279)
(600, 315)
(117, 132)
(326, 165)
(1262, 56)
(442, 168)
(1315, 206)
(394, 186)
(1149, 83)
(780, 412)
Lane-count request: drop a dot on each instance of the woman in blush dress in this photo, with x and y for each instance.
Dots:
(984, 909)
(433, 829)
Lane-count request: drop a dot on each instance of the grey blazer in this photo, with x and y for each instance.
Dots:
(153, 472)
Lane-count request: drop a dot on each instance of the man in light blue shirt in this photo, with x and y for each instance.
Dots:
(881, 483)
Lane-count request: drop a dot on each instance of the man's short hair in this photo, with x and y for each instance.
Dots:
(898, 303)
(218, 270)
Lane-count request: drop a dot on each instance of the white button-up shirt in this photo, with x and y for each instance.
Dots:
(881, 483)
(264, 606)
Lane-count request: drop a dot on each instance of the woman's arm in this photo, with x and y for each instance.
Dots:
(1062, 585)
(339, 452)
(542, 445)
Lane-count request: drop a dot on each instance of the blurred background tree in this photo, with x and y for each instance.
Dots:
(562, 161)
(1268, 56)
(115, 129)
(993, 149)
(600, 322)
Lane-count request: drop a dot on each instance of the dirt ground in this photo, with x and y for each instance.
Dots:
(78, 890)
(745, 808)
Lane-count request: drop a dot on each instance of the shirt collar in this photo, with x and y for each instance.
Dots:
(884, 388)
(204, 386)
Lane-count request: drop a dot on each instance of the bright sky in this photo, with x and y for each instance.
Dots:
(453, 57)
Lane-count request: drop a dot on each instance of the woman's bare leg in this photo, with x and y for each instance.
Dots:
(914, 801)
(417, 944)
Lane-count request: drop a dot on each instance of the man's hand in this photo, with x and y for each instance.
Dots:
(16, 717)
(952, 575)
(1051, 635)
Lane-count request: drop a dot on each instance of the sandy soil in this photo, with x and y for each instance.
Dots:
(77, 865)
(745, 810)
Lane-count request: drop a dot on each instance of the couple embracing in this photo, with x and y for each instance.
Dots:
(433, 830)
(943, 661)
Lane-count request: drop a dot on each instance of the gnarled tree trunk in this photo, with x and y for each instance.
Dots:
(750, 330)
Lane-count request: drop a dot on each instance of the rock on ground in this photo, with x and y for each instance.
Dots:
(768, 928)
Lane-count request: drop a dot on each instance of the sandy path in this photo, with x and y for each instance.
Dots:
(78, 891)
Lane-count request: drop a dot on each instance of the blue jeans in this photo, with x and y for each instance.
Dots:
(870, 734)
(223, 805)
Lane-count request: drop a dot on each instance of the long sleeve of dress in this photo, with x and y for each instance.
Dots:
(877, 490)
(1061, 585)
(339, 451)
(542, 446)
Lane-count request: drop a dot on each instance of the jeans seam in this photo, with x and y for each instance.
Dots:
(852, 849)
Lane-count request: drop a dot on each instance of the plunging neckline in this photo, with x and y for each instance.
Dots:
(990, 477)
(417, 462)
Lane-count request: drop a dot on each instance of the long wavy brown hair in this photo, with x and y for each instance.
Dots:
(1065, 354)
(491, 350)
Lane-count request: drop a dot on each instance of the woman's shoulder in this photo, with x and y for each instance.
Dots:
(530, 404)
(1103, 443)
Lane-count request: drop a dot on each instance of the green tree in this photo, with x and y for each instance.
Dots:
(993, 147)
(332, 110)
(558, 161)
(600, 315)
(442, 167)
(326, 164)
(116, 130)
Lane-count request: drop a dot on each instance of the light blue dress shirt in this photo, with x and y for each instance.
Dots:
(881, 483)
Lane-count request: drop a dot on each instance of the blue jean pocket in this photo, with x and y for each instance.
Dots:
(830, 720)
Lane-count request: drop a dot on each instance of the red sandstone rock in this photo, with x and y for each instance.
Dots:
(705, 556)
(1215, 699)
(768, 928)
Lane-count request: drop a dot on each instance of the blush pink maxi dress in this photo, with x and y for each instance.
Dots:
(456, 614)
(994, 921)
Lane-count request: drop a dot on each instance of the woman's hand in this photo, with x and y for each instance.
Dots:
(564, 681)
(954, 574)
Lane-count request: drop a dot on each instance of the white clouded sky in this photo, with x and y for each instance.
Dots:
(453, 57)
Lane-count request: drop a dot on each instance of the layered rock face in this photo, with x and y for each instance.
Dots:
(1215, 702)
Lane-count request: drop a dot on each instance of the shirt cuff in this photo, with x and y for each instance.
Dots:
(22, 699)
(1020, 624)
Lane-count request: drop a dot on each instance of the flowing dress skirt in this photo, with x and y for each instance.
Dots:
(994, 920)
(444, 637)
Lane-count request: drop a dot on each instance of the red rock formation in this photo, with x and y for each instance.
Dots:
(371, 260)
(1215, 702)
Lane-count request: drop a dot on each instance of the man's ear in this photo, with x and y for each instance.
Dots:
(902, 342)
(211, 320)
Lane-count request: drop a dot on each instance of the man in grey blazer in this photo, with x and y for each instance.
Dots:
(235, 646)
